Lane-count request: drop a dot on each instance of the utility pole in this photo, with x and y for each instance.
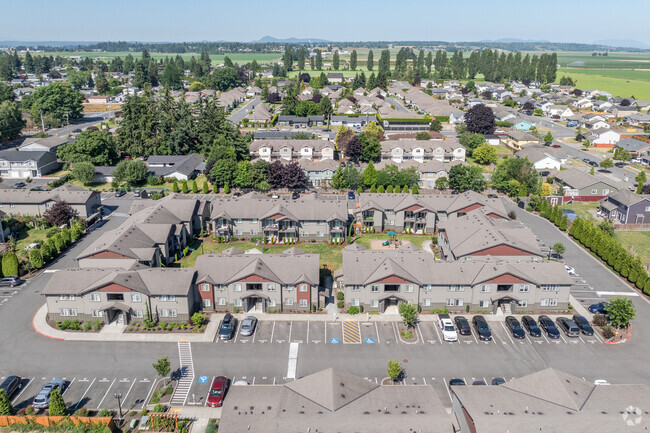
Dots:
(42, 121)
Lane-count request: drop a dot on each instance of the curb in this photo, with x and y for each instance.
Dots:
(620, 341)
(39, 332)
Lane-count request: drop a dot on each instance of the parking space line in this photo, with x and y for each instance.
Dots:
(325, 325)
(597, 336)
(507, 333)
(542, 332)
(395, 331)
(254, 333)
(23, 390)
(419, 332)
(82, 397)
(146, 399)
(583, 341)
(474, 336)
(109, 388)
(129, 391)
(68, 387)
(272, 331)
(562, 337)
(377, 331)
(307, 332)
(437, 333)
(290, 326)
(208, 394)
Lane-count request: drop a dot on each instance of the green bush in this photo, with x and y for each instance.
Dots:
(353, 310)
(81, 412)
(340, 304)
(184, 187)
(340, 296)
(211, 428)
(105, 412)
(36, 258)
(198, 319)
(169, 390)
(608, 332)
(159, 408)
(10, 264)
(195, 187)
(175, 186)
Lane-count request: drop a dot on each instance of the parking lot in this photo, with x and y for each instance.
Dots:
(91, 392)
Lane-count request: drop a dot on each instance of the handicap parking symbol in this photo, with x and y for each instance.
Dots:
(370, 340)
(334, 341)
(203, 379)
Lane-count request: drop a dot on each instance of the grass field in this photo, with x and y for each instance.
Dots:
(612, 61)
(216, 58)
(582, 208)
(638, 88)
(638, 241)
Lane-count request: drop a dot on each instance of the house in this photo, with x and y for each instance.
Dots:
(289, 120)
(49, 144)
(253, 281)
(333, 400)
(418, 213)
(457, 117)
(518, 139)
(559, 110)
(428, 171)
(86, 203)
(262, 113)
(253, 91)
(351, 122)
(291, 150)
(154, 234)
(99, 99)
(626, 207)
(476, 234)
(335, 77)
(550, 401)
(543, 157)
(601, 105)
(378, 280)
(422, 150)
(181, 167)
(637, 119)
(524, 125)
(583, 186)
(636, 147)
(278, 221)
(15, 164)
(319, 172)
(583, 103)
(121, 296)
(605, 138)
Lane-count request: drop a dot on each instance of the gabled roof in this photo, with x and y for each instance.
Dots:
(389, 268)
(256, 267)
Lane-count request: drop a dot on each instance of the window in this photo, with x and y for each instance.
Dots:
(239, 220)
(523, 288)
(453, 288)
(426, 302)
(303, 287)
(409, 288)
(95, 297)
(205, 287)
(254, 232)
(484, 303)
(485, 288)
(222, 301)
(374, 303)
(428, 288)
(237, 287)
(289, 287)
(97, 313)
(320, 234)
(605, 191)
(454, 302)
(647, 208)
(272, 303)
(238, 303)
(523, 303)
(355, 288)
(304, 234)
(254, 221)
(271, 287)
(136, 297)
(65, 312)
(206, 303)
(550, 287)
(374, 288)
(594, 191)
(355, 302)
(552, 302)
(66, 297)
(303, 303)
(164, 313)
(289, 301)
(239, 232)
(139, 314)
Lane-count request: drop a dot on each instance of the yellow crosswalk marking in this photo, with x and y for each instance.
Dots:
(351, 332)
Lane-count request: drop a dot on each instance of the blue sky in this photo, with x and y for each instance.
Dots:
(350, 20)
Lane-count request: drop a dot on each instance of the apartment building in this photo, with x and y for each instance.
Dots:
(422, 150)
(292, 150)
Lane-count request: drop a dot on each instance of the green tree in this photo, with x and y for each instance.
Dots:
(395, 371)
(11, 121)
(464, 178)
(607, 163)
(442, 183)
(620, 311)
(409, 313)
(6, 409)
(370, 62)
(371, 147)
(287, 59)
(10, 264)
(6, 93)
(415, 189)
(83, 172)
(485, 154)
(559, 248)
(101, 84)
(370, 175)
(57, 405)
(131, 171)
(162, 367)
(205, 187)
(55, 103)
(641, 180)
(435, 125)
(93, 146)
(336, 60)
(548, 138)
(338, 180)
(195, 187)
(175, 186)
(184, 188)
(353, 60)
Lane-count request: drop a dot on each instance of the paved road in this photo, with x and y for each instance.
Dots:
(242, 112)
(398, 105)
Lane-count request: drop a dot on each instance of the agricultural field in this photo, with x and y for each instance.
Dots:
(625, 87)
(216, 58)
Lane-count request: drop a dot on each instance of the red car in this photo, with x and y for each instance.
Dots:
(218, 391)
(557, 146)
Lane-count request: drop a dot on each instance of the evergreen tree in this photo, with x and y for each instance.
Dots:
(370, 62)
(6, 409)
(336, 60)
(57, 405)
(353, 60)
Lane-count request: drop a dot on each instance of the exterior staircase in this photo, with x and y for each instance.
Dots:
(187, 374)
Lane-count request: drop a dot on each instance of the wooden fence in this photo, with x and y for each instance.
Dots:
(632, 227)
(46, 421)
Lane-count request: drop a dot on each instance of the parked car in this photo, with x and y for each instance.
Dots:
(275, 195)
(493, 196)
(462, 325)
(457, 382)
(237, 194)
(228, 327)
(42, 399)
(545, 173)
(531, 326)
(295, 196)
(557, 146)
(592, 163)
(137, 193)
(12, 281)
(479, 383)
(498, 381)
(119, 192)
(583, 324)
(515, 327)
(447, 328)
(76, 131)
(598, 308)
(569, 327)
(547, 325)
(620, 164)
(248, 326)
(600, 382)
(351, 195)
(482, 328)
(11, 384)
(570, 270)
(217, 391)
(18, 185)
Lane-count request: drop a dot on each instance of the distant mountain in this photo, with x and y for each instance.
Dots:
(271, 39)
(513, 40)
(5, 44)
(623, 43)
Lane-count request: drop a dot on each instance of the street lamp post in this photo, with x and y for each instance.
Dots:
(118, 396)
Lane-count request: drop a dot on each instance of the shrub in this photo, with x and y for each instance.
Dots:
(169, 390)
(206, 188)
(159, 408)
(81, 412)
(105, 412)
(211, 428)
(340, 304)
(36, 258)
(29, 410)
(10, 264)
(353, 310)
(85, 326)
(175, 186)
(394, 370)
(184, 187)
(600, 320)
(195, 187)
(198, 319)
(133, 413)
(340, 296)
(96, 325)
(57, 405)
(313, 308)
(608, 332)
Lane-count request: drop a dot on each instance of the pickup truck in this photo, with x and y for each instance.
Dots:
(447, 328)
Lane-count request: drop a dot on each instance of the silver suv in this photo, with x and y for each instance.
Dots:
(42, 400)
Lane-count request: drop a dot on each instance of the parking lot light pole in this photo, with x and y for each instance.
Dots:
(118, 396)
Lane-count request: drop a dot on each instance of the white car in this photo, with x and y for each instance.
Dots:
(600, 382)
(570, 270)
(447, 328)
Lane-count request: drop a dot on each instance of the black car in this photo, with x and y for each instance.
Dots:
(598, 308)
(457, 382)
(12, 281)
(76, 131)
(515, 327)
(351, 195)
(295, 196)
(119, 192)
(569, 327)
(493, 196)
(479, 383)
(547, 325)
(531, 326)
(619, 164)
(462, 325)
(592, 163)
(482, 328)
(11, 384)
(228, 327)
(498, 381)
(545, 173)
(583, 324)
(237, 194)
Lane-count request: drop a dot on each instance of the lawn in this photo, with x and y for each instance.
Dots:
(28, 236)
(638, 241)
(216, 58)
(582, 208)
(416, 240)
(623, 87)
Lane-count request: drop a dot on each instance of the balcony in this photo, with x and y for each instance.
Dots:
(271, 227)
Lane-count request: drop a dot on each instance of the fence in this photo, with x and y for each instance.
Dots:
(632, 227)
(47, 421)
